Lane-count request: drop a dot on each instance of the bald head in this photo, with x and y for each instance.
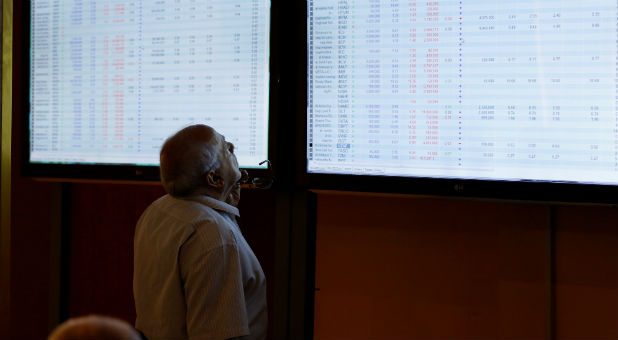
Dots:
(94, 327)
(186, 156)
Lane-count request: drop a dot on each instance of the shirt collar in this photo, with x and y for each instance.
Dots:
(215, 204)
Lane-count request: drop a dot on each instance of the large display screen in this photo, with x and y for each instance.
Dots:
(523, 90)
(110, 80)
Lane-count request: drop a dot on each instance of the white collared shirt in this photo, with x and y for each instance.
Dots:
(195, 276)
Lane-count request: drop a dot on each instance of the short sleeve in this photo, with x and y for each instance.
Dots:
(213, 287)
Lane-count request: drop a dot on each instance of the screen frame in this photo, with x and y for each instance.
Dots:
(67, 172)
(483, 189)
(466, 188)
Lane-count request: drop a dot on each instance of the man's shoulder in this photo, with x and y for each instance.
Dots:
(189, 215)
(181, 209)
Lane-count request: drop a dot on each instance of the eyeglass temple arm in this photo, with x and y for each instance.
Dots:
(269, 167)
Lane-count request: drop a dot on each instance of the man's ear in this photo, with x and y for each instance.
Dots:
(213, 179)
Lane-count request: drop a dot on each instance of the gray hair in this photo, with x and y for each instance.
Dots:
(186, 157)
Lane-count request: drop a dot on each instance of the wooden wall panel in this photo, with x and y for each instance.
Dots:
(587, 273)
(101, 256)
(257, 222)
(31, 219)
(396, 267)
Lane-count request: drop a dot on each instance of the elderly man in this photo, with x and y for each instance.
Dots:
(195, 276)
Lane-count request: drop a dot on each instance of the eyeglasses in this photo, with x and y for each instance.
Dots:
(260, 182)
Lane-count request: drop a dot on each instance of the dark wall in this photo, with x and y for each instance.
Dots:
(100, 248)
(102, 225)
(386, 266)
(30, 276)
(412, 267)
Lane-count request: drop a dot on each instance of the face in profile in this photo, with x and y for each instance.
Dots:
(229, 170)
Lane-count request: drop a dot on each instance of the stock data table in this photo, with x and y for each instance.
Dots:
(472, 89)
(110, 80)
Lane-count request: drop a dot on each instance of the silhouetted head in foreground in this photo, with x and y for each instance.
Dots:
(94, 327)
